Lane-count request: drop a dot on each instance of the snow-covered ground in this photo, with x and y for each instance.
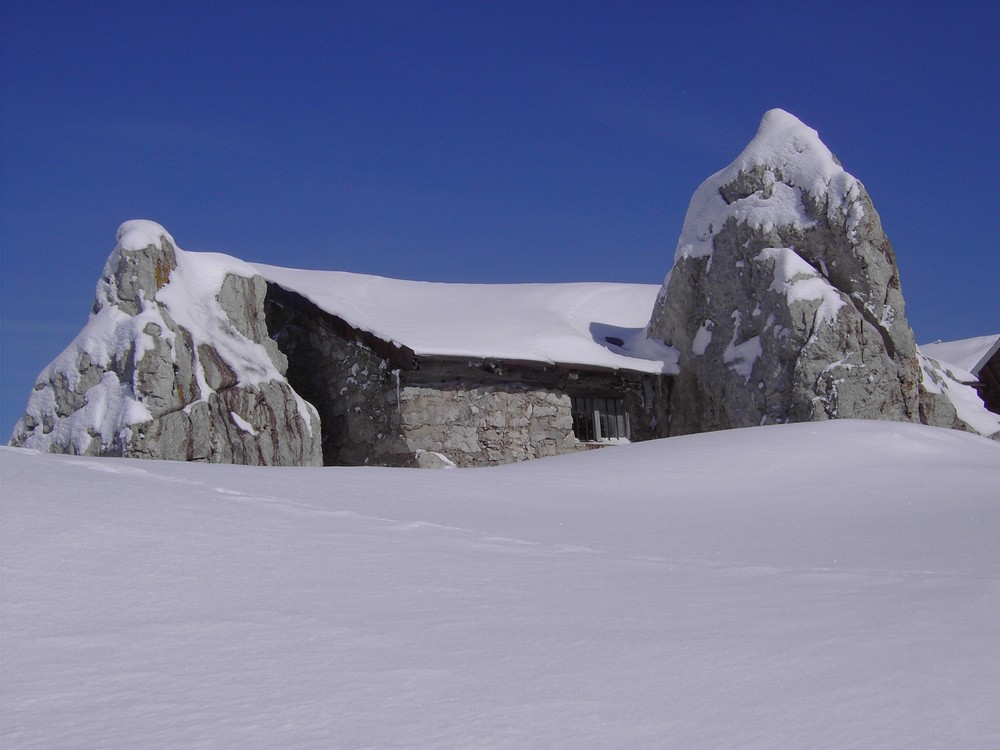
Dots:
(822, 585)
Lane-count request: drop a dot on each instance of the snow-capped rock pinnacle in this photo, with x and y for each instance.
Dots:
(174, 362)
(784, 299)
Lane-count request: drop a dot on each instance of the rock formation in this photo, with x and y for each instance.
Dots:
(175, 362)
(783, 305)
(784, 299)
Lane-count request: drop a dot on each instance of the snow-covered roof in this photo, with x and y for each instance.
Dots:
(570, 324)
(968, 354)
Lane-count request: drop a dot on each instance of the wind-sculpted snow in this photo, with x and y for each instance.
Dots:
(830, 584)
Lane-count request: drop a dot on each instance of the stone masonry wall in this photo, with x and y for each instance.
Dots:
(490, 416)
(352, 388)
(485, 425)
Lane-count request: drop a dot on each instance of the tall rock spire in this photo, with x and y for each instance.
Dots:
(784, 300)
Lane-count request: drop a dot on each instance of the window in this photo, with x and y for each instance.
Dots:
(599, 419)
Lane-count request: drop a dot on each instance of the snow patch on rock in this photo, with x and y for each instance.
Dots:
(702, 338)
(799, 281)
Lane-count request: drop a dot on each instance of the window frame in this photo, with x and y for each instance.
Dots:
(600, 419)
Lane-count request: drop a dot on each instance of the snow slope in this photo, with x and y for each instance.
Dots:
(563, 323)
(832, 584)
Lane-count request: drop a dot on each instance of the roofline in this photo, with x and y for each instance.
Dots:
(987, 357)
(980, 363)
(501, 362)
(403, 357)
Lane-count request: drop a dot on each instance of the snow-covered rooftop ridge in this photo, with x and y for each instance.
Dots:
(969, 354)
(793, 160)
(587, 324)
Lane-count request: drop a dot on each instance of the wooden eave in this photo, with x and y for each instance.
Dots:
(492, 364)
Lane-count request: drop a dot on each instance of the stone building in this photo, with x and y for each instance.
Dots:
(783, 304)
(408, 373)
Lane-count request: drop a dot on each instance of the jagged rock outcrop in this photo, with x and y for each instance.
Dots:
(175, 362)
(784, 300)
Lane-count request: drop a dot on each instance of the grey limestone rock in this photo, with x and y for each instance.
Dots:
(171, 366)
(784, 300)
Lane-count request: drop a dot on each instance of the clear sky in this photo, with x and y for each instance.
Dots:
(472, 141)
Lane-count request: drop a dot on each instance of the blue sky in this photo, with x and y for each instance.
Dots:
(472, 141)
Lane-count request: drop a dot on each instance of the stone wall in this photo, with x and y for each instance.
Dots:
(353, 388)
(484, 424)
(486, 421)
(485, 414)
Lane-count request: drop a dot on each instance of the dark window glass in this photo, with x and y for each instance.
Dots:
(596, 419)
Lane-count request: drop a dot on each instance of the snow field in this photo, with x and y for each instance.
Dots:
(822, 585)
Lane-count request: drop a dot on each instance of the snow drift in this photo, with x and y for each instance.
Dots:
(830, 584)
